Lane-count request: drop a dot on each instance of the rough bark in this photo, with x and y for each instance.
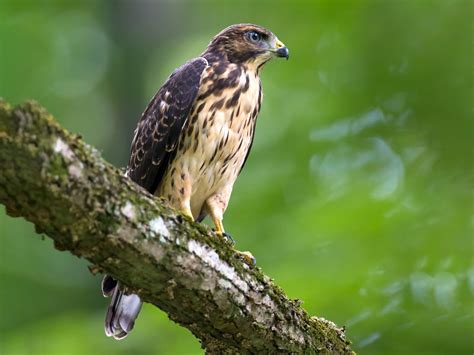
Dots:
(60, 184)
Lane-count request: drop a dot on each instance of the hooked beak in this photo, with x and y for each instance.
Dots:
(281, 50)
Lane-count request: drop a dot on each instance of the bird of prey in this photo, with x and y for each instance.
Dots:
(195, 136)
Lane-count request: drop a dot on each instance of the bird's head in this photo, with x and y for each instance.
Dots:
(247, 44)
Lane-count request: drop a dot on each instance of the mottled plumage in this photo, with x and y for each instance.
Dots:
(162, 123)
(195, 136)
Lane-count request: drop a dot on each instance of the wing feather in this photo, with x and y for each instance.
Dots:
(161, 125)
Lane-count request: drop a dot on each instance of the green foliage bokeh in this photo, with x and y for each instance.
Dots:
(357, 197)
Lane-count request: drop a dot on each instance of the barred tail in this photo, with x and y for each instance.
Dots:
(122, 311)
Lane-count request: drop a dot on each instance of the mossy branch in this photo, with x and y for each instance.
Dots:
(60, 184)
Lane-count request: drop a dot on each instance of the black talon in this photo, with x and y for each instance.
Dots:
(254, 262)
(247, 258)
(229, 238)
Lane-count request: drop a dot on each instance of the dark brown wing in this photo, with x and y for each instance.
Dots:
(161, 124)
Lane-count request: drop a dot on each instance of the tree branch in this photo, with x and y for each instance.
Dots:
(60, 184)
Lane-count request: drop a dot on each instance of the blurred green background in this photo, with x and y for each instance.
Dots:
(357, 197)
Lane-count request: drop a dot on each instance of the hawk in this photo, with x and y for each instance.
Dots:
(195, 136)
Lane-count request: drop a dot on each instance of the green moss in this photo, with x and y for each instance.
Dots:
(83, 213)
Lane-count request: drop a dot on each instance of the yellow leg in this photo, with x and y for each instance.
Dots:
(185, 207)
(216, 212)
(182, 206)
(219, 226)
(188, 213)
(220, 230)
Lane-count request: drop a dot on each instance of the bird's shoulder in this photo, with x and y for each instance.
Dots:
(192, 68)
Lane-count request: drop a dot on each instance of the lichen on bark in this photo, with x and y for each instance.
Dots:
(62, 185)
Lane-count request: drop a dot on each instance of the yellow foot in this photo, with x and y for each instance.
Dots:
(247, 257)
(189, 215)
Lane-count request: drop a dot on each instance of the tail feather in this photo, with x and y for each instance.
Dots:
(123, 309)
(108, 285)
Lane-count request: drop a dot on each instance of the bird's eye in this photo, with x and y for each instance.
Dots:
(254, 36)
